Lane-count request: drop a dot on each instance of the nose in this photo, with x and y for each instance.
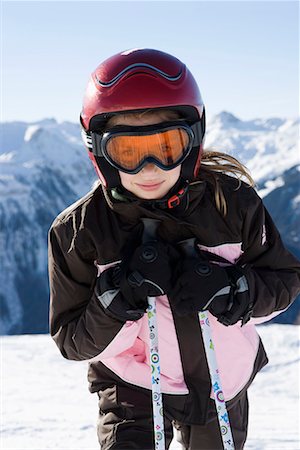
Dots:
(149, 167)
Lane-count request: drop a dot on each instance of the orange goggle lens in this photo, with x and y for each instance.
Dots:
(166, 147)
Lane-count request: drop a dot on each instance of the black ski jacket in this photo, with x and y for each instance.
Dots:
(89, 236)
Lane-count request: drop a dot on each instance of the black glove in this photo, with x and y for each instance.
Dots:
(113, 302)
(204, 285)
(148, 272)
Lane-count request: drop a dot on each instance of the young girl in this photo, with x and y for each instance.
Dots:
(143, 124)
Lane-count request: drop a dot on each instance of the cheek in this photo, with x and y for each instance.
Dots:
(126, 179)
(175, 174)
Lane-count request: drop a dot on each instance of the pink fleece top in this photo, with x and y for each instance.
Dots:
(236, 347)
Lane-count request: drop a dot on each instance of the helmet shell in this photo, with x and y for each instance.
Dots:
(140, 79)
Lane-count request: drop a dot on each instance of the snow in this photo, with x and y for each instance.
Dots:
(46, 404)
(296, 201)
(7, 157)
(270, 185)
(30, 132)
(268, 147)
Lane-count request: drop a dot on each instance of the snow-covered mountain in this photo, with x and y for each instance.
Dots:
(35, 379)
(44, 168)
(42, 171)
(268, 147)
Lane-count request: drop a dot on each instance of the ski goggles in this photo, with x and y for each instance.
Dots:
(129, 149)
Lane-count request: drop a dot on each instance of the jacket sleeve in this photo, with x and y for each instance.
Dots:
(78, 324)
(272, 272)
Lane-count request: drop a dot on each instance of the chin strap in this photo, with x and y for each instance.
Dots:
(170, 201)
(177, 199)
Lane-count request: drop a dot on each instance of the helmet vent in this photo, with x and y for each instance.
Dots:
(137, 66)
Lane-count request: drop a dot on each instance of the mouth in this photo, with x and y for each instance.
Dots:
(149, 186)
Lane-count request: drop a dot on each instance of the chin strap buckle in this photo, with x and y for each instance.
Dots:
(176, 199)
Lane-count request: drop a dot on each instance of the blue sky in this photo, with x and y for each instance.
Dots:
(244, 54)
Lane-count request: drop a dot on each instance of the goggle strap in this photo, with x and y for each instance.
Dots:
(87, 139)
(198, 135)
(96, 143)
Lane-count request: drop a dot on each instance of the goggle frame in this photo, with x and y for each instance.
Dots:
(100, 139)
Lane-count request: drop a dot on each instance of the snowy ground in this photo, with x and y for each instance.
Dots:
(46, 405)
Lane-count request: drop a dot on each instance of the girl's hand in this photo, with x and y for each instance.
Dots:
(148, 272)
(205, 285)
(112, 300)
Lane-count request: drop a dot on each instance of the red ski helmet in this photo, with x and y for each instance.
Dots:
(133, 81)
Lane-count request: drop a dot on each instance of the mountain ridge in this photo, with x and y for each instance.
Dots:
(44, 169)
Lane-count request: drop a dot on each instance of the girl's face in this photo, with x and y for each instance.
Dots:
(151, 182)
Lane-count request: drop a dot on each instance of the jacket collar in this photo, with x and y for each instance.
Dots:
(132, 209)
